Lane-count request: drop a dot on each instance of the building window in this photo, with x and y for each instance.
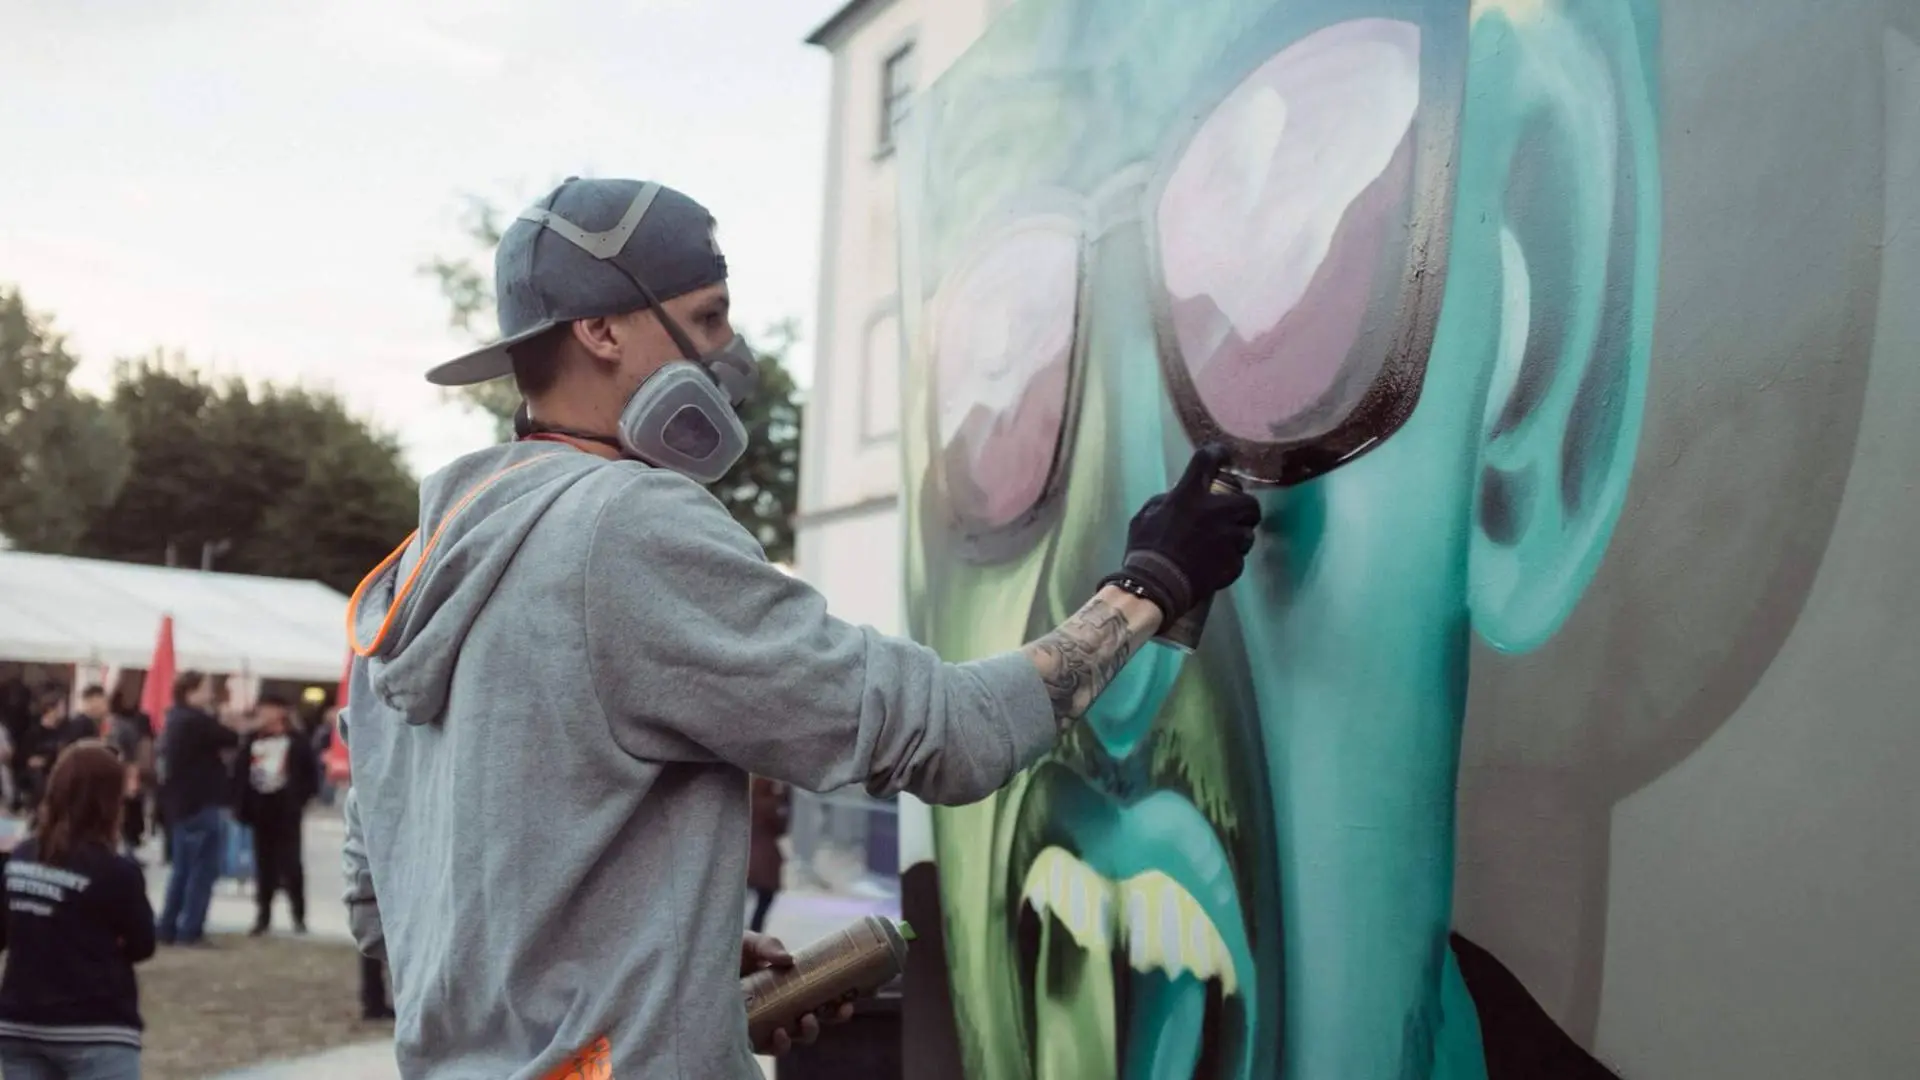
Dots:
(896, 94)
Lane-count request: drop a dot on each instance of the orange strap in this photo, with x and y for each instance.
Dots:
(406, 587)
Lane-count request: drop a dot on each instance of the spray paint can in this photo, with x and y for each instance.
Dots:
(845, 964)
(1184, 632)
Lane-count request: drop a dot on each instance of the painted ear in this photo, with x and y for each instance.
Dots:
(1569, 128)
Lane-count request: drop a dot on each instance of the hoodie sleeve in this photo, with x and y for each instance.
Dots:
(703, 651)
(363, 909)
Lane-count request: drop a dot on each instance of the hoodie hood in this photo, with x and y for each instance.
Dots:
(410, 616)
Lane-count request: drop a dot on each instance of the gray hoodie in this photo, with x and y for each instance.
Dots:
(569, 672)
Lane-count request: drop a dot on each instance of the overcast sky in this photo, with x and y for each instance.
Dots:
(255, 184)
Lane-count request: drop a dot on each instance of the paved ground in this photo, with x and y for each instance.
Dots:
(796, 917)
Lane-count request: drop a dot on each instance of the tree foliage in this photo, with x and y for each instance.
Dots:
(762, 491)
(467, 284)
(63, 454)
(274, 480)
(281, 481)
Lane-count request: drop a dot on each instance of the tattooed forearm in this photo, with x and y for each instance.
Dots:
(1079, 658)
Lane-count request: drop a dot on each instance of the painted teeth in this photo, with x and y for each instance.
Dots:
(1162, 925)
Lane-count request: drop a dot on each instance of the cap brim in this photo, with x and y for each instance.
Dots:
(486, 363)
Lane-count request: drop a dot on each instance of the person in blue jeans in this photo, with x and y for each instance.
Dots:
(76, 923)
(194, 795)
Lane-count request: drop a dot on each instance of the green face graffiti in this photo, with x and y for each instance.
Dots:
(1417, 306)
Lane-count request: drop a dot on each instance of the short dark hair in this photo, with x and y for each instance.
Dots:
(273, 701)
(93, 691)
(186, 683)
(537, 361)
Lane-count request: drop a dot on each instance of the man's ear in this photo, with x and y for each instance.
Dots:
(600, 337)
(1561, 128)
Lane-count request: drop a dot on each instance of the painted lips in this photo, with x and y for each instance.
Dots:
(1142, 893)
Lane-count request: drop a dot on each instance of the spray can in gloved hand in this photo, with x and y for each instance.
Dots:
(1184, 633)
(845, 964)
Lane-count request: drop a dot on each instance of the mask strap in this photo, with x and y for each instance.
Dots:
(549, 432)
(527, 429)
(679, 336)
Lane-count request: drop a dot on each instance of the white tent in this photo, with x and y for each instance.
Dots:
(60, 610)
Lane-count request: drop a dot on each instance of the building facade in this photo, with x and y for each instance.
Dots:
(847, 535)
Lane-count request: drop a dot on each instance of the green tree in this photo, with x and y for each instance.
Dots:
(63, 455)
(282, 481)
(762, 491)
(467, 284)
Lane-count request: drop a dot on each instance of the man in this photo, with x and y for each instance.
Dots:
(278, 774)
(91, 721)
(568, 673)
(95, 720)
(132, 734)
(193, 789)
(55, 732)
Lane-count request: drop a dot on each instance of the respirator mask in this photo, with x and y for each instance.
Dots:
(684, 416)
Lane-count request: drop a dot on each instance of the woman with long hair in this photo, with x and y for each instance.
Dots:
(77, 920)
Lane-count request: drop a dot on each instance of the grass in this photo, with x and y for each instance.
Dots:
(245, 1001)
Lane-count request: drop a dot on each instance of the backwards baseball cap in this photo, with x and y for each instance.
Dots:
(562, 259)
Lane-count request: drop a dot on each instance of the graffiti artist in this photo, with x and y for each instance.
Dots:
(566, 675)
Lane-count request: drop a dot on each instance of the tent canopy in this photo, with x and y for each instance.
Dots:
(60, 610)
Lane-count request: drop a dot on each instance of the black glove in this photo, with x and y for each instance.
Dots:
(1190, 543)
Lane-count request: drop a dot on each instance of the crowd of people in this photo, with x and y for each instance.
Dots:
(227, 788)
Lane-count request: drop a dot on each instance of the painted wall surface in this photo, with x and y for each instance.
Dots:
(1563, 724)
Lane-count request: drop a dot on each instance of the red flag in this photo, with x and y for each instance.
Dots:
(157, 692)
(339, 767)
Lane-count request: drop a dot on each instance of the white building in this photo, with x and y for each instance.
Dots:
(848, 532)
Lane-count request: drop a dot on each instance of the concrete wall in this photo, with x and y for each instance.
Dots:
(1563, 724)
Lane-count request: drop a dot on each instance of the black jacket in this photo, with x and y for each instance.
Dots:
(302, 780)
(72, 935)
(45, 743)
(195, 772)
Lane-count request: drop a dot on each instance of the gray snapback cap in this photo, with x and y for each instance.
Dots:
(562, 258)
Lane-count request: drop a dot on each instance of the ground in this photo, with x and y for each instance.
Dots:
(249, 1000)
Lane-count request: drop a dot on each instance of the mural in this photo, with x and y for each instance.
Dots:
(1543, 328)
